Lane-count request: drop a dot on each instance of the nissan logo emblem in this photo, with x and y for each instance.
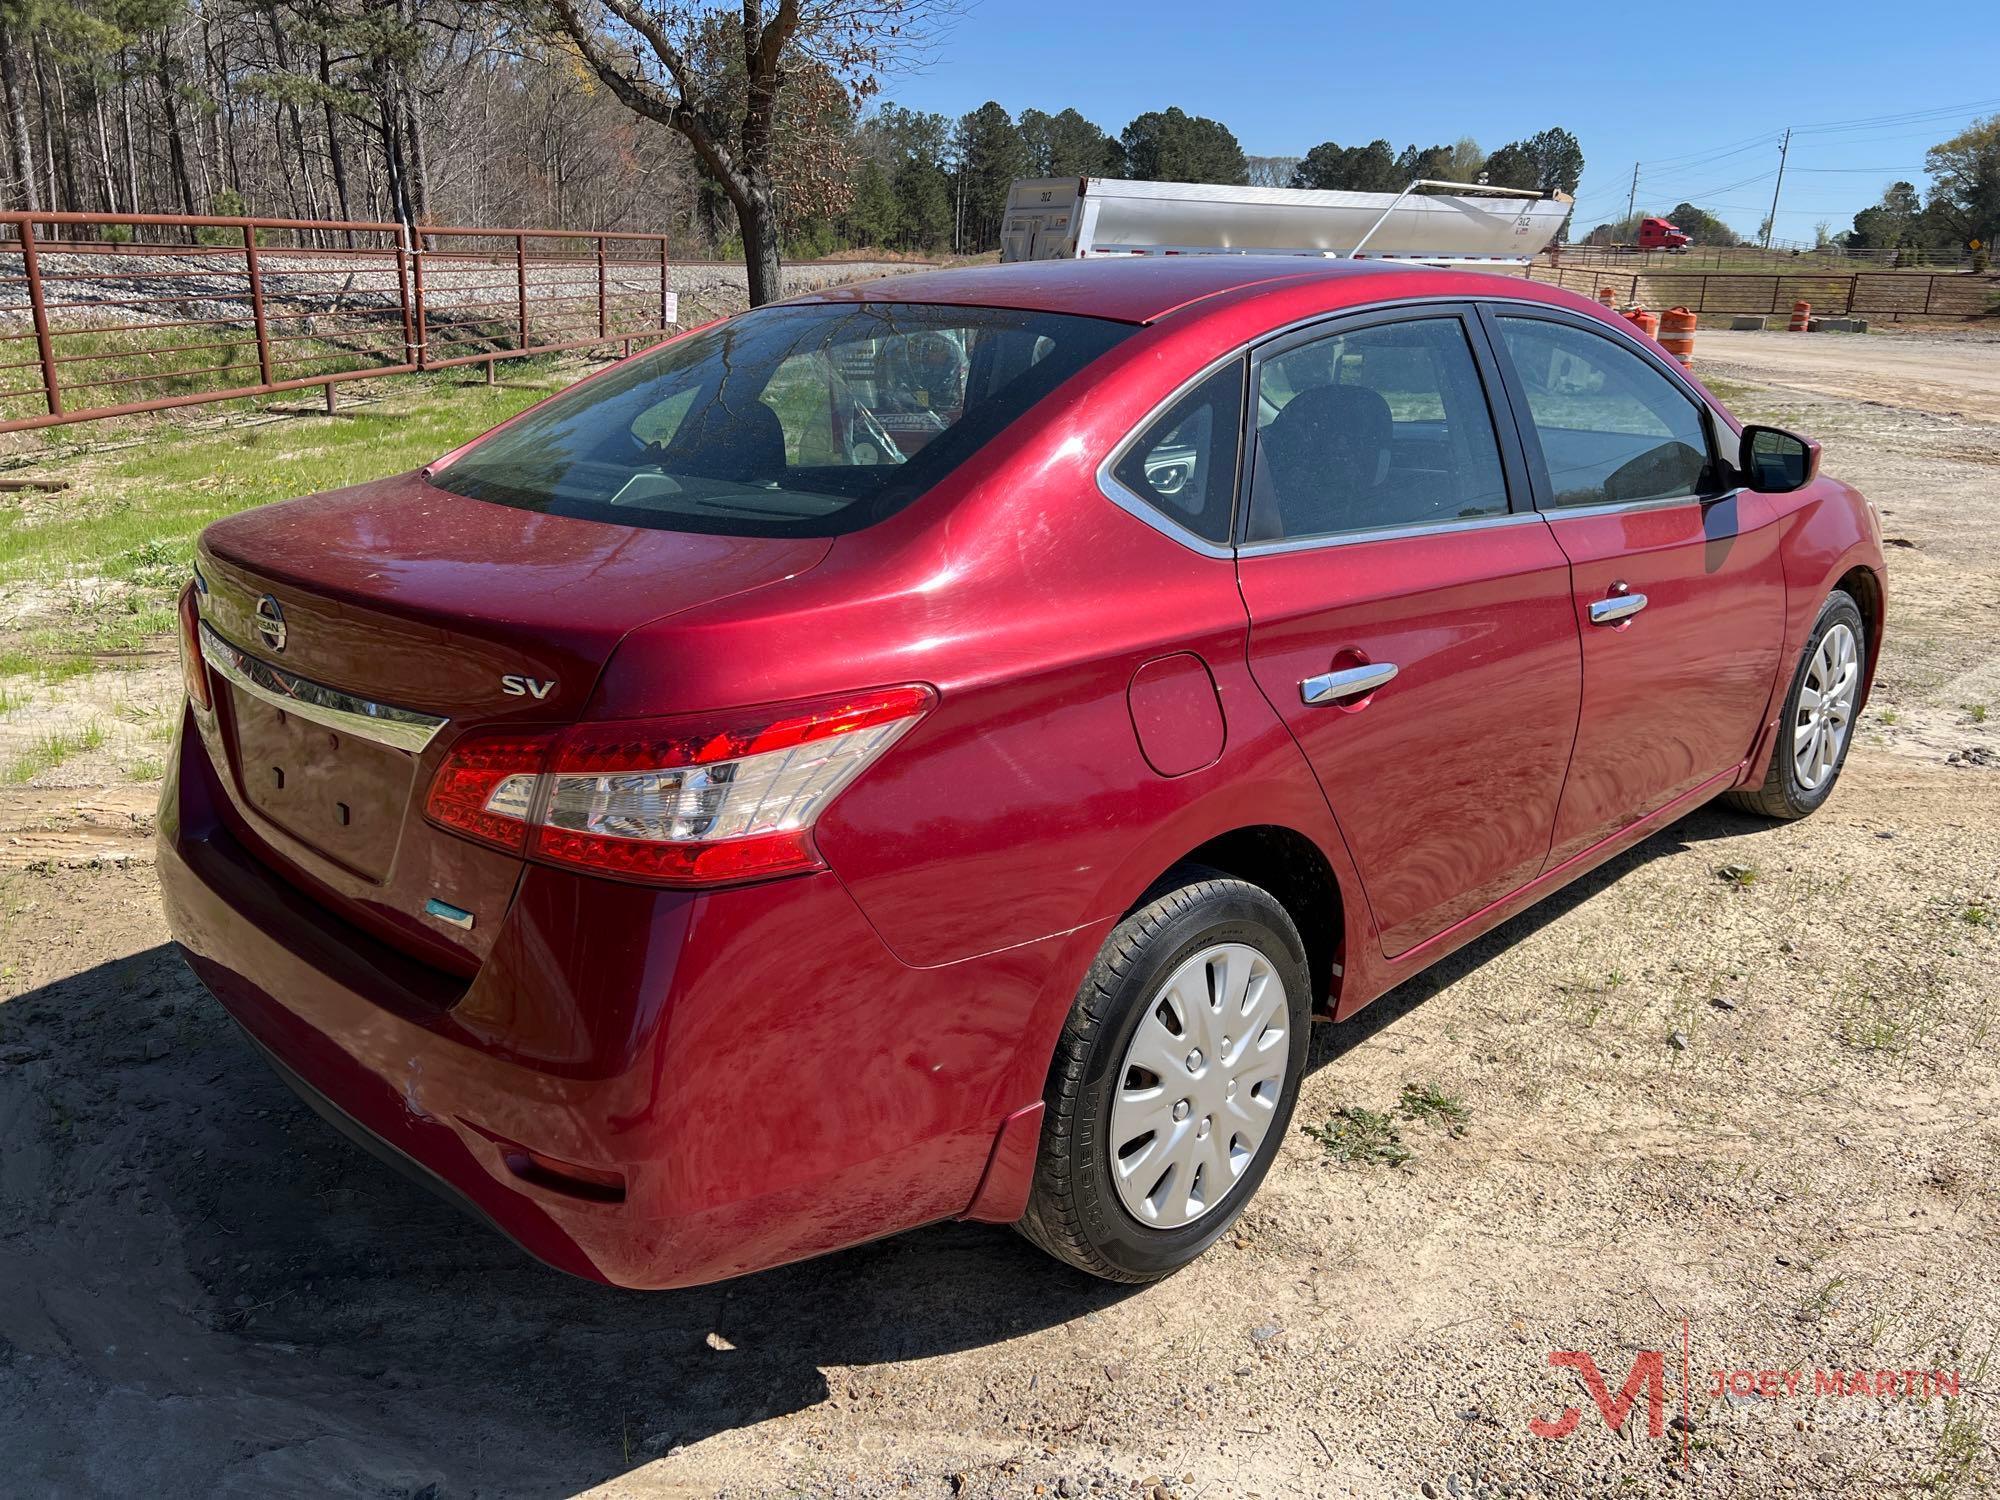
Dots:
(271, 623)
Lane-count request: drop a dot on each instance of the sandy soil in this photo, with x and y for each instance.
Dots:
(1745, 1122)
(1953, 374)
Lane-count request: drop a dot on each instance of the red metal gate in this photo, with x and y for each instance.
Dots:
(149, 312)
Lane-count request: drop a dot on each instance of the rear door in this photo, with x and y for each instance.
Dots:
(1679, 588)
(1410, 612)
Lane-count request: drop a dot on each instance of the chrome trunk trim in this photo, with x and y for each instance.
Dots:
(399, 728)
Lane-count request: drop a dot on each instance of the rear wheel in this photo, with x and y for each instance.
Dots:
(1174, 1080)
(1817, 725)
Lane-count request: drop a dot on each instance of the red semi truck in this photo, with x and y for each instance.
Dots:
(1660, 234)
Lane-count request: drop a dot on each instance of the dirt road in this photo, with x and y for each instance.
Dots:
(1945, 374)
(1733, 1099)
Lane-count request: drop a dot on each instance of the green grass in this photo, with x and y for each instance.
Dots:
(115, 367)
(1877, 1023)
(1363, 1137)
(18, 662)
(1740, 876)
(50, 751)
(1426, 1101)
(1961, 1444)
(116, 547)
(1746, 401)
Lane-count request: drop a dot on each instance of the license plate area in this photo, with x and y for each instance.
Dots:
(342, 796)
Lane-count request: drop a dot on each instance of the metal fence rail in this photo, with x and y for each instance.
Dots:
(155, 312)
(1877, 294)
(1751, 258)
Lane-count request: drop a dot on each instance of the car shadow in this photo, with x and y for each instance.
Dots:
(1330, 1043)
(174, 1220)
(177, 1228)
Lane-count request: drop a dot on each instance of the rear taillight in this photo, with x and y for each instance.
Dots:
(672, 801)
(193, 671)
(487, 786)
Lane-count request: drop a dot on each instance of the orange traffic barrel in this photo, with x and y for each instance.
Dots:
(1677, 334)
(1801, 316)
(1647, 323)
(1607, 296)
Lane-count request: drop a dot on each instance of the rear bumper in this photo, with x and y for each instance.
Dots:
(760, 1076)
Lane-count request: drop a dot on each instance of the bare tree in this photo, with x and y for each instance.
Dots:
(15, 98)
(719, 76)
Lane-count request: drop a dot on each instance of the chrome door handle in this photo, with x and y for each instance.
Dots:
(1617, 607)
(1351, 682)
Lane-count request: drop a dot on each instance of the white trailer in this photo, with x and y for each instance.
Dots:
(1067, 218)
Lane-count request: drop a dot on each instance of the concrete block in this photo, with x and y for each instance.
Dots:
(1839, 325)
(1747, 324)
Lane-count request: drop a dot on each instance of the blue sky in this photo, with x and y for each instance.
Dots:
(1867, 95)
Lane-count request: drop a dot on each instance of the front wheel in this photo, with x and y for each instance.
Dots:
(1174, 1081)
(1817, 725)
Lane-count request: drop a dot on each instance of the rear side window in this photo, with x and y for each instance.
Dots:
(806, 420)
(1385, 426)
(1613, 430)
(1184, 464)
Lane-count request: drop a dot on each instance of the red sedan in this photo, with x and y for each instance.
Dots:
(928, 750)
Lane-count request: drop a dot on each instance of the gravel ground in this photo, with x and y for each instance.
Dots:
(1731, 1099)
(352, 299)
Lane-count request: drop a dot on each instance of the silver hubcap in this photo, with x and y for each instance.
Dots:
(1826, 707)
(1199, 1085)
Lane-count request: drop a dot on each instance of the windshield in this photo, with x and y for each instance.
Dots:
(789, 421)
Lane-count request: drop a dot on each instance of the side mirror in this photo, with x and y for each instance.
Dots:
(1776, 462)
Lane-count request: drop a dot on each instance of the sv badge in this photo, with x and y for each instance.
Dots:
(527, 687)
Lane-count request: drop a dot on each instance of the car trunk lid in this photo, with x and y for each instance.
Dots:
(353, 636)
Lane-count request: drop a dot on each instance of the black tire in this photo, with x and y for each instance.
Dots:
(1074, 1211)
(1781, 796)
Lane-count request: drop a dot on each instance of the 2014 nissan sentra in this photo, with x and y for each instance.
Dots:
(928, 750)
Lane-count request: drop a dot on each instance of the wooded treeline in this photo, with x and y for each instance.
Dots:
(443, 111)
(461, 112)
(1962, 209)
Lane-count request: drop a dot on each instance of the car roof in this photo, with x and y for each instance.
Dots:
(1136, 289)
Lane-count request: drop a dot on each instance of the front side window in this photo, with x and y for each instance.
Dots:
(1385, 426)
(1613, 429)
(807, 420)
(1184, 464)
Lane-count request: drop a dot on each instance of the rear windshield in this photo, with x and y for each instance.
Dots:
(788, 421)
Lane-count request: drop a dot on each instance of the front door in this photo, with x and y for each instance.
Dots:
(1679, 587)
(1411, 626)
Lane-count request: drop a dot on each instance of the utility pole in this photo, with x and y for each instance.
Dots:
(1771, 223)
(1632, 198)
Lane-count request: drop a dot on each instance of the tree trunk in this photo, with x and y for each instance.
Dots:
(17, 119)
(335, 160)
(54, 159)
(305, 185)
(419, 160)
(176, 152)
(757, 217)
(107, 185)
(393, 164)
(226, 98)
(132, 187)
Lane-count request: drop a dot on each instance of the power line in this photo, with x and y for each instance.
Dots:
(1700, 158)
(1904, 117)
